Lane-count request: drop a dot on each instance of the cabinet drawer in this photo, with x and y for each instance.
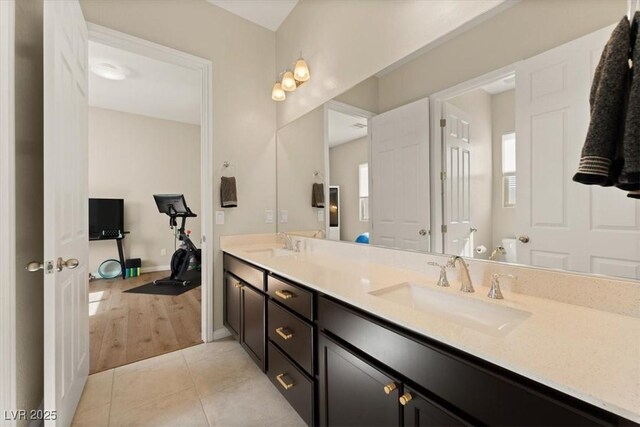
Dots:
(292, 383)
(248, 273)
(292, 296)
(292, 335)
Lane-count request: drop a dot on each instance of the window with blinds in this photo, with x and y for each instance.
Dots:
(509, 170)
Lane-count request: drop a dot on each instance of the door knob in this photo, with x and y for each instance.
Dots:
(422, 232)
(34, 266)
(524, 238)
(71, 263)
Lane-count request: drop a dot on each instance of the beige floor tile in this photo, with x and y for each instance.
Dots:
(149, 363)
(181, 409)
(222, 371)
(255, 402)
(208, 350)
(95, 417)
(149, 382)
(97, 391)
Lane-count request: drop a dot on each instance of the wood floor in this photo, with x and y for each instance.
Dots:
(128, 327)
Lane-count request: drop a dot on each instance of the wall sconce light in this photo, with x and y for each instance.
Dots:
(290, 80)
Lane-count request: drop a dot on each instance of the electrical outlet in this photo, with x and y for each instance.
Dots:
(284, 216)
(163, 252)
(219, 217)
(320, 215)
(268, 216)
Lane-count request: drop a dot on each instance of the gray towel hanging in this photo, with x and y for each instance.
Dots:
(317, 195)
(629, 178)
(228, 192)
(607, 100)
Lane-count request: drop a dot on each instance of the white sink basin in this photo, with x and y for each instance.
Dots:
(275, 252)
(475, 314)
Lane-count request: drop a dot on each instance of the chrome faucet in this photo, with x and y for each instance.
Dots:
(288, 243)
(467, 286)
(442, 280)
(499, 250)
(495, 292)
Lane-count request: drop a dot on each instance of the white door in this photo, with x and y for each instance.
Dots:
(66, 317)
(457, 211)
(568, 225)
(399, 193)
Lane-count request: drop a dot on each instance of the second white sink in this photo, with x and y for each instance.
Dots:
(479, 315)
(277, 252)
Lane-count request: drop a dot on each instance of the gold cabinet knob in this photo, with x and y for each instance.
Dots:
(285, 295)
(390, 387)
(237, 285)
(405, 398)
(285, 385)
(283, 332)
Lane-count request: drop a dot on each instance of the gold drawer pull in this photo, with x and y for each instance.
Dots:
(282, 382)
(285, 295)
(285, 335)
(405, 398)
(237, 285)
(389, 388)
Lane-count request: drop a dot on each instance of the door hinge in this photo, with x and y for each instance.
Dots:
(443, 123)
(443, 228)
(443, 176)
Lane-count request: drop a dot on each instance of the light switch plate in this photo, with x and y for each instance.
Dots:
(320, 215)
(219, 217)
(268, 216)
(284, 216)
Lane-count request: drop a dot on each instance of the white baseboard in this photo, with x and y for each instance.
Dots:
(218, 334)
(143, 269)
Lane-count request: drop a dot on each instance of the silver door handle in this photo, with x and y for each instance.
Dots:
(34, 266)
(422, 232)
(524, 238)
(71, 263)
(473, 230)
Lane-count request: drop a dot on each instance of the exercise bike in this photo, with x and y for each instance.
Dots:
(175, 206)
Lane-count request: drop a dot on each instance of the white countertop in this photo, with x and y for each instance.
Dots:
(589, 354)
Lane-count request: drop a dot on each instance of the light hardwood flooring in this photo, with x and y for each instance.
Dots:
(213, 384)
(125, 327)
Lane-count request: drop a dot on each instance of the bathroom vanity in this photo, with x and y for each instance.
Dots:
(350, 341)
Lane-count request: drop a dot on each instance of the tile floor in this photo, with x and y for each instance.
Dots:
(212, 384)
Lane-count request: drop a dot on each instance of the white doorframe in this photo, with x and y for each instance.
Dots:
(140, 46)
(354, 111)
(437, 101)
(7, 211)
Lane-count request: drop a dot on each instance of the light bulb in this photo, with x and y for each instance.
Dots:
(288, 82)
(301, 70)
(277, 94)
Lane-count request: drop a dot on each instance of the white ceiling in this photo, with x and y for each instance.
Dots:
(501, 85)
(152, 88)
(344, 128)
(266, 13)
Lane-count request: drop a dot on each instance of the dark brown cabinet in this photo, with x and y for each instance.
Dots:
(352, 392)
(232, 292)
(253, 324)
(422, 412)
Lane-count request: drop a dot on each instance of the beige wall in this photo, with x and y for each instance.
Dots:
(160, 156)
(347, 41)
(503, 117)
(477, 104)
(363, 95)
(528, 28)
(244, 116)
(29, 207)
(300, 153)
(344, 160)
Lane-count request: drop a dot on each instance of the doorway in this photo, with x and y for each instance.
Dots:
(154, 115)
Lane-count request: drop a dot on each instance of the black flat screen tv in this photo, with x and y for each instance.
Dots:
(106, 216)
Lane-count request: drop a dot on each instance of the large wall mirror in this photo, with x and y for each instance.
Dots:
(469, 148)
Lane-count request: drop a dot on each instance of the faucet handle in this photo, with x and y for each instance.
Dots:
(442, 280)
(495, 292)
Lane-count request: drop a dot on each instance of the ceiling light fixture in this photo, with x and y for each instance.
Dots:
(109, 71)
(290, 80)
